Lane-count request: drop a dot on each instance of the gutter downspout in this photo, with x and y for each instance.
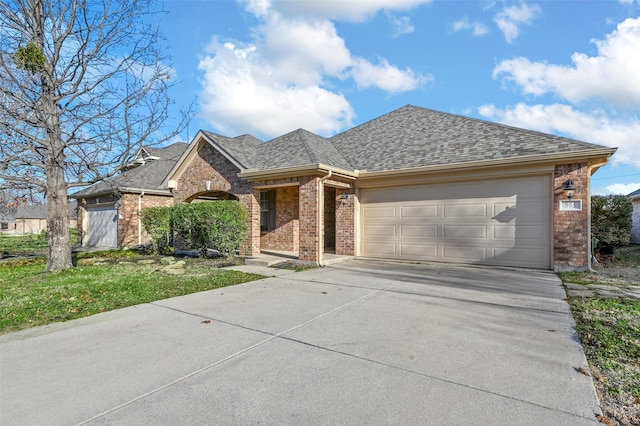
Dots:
(320, 202)
(140, 217)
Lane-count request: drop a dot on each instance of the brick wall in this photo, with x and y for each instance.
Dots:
(209, 165)
(571, 228)
(345, 223)
(128, 217)
(286, 234)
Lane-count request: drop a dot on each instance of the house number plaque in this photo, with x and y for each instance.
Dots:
(571, 205)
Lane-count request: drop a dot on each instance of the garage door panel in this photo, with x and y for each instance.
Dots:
(499, 221)
(380, 249)
(454, 211)
(523, 208)
(380, 230)
(529, 233)
(418, 231)
(520, 256)
(379, 212)
(419, 251)
(464, 231)
(464, 253)
(411, 212)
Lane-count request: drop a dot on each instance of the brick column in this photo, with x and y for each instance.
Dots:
(251, 245)
(571, 228)
(309, 219)
(345, 223)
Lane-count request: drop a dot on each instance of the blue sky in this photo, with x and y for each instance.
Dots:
(267, 67)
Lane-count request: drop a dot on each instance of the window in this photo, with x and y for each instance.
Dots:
(267, 210)
(4, 225)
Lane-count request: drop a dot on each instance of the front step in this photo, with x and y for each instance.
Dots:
(263, 261)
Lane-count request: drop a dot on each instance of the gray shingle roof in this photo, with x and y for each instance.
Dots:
(635, 193)
(241, 148)
(298, 148)
(148, 176)
(416, 137)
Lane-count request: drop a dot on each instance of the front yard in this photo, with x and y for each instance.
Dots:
(31, 297)
(606, 307)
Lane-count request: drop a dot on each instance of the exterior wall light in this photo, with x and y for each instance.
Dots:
(207, 185)
(569, 189)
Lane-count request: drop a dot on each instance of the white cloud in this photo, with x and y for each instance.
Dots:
(282, 79)
(240, 96)
(612, 75)
(511, 18)
(353, 10)
(623, 188)
(387, 77)
(476, 28)
(301, 52)
(596, 127)
(402, 24)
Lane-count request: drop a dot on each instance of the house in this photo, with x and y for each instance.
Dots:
(109, 211)
(31, 218)
(414, 184)
(635, 221)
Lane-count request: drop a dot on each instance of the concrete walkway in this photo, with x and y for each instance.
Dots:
(354, 343)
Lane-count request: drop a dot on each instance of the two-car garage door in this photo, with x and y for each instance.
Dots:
(490, 222)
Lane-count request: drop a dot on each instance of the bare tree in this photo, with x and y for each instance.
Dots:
(83, 84)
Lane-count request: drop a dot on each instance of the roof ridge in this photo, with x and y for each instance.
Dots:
(310, 151)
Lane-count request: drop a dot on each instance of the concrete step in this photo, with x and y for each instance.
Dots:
(264, 261)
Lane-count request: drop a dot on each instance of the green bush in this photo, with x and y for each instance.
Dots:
(157, 222)
(611, 219)
(219, 225)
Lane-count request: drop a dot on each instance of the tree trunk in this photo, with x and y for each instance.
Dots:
(58, 223)
(58, 211)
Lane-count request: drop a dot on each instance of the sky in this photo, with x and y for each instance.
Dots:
(267, 67)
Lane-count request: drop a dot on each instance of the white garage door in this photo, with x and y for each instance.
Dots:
(102, 228)
(489, 222)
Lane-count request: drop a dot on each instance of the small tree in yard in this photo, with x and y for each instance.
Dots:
(611, 219)
(157, 222)
(83, 85)
(219, 225)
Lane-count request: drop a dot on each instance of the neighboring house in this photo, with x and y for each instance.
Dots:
(109, 213)
(635, 221)
(414, 184)
(31, 219)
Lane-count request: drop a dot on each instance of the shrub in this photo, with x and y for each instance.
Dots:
(219, 225)
(611, 219)
(157, 222)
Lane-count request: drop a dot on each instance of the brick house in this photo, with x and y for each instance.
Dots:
(635, 221)
(109, 211)
(414, 184)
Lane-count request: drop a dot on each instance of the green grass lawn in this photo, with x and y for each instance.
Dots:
(14, 244)
(609, 329)
(31, 297)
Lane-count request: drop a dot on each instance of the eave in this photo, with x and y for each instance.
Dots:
(253, 175)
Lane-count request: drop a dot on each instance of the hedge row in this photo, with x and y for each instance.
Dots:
(219, 225)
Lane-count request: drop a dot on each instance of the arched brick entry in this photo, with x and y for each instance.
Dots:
(211, 196)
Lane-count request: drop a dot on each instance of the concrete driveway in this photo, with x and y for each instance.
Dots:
(359, 342)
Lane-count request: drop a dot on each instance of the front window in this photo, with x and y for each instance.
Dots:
(267, 210)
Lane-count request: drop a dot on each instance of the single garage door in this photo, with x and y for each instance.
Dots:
(102, 228)
(490, 222)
